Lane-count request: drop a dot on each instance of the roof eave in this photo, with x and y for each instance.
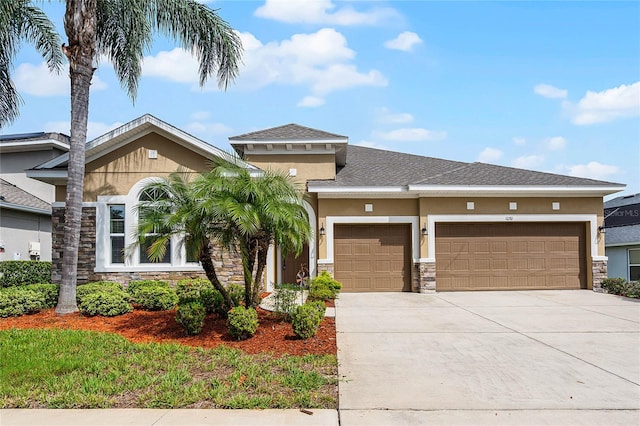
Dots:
(51, 176)
(28, 209)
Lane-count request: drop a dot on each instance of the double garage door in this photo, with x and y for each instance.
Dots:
(469, 256)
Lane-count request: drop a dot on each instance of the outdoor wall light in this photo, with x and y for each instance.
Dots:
(424, 230)
(602, 229)
(322, 229)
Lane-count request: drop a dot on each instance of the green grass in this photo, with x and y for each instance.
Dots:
(84, 369)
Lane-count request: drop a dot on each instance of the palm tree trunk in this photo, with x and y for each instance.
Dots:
(206, 256)
(263, 248)
(80, 26)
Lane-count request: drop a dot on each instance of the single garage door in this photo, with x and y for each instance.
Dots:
(510, 256)
(373, 257)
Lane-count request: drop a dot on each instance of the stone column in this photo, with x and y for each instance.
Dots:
(599, 271)
(427, 276)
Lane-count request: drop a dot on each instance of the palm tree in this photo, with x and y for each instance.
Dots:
(21, 21)
(254, 213)
(173, 208)
(122, 31)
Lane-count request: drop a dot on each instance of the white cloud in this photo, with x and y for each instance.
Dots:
(387, 117)
(200, 115)
(320, 61)
(37, 80)
(311, 102)
(323, 12)
(490, 155)
(405, 41)
(94, 128)
(413, 134)
(519, 141)
(205, 128)
(549, 91)
(528, 161)
(555, 143)
(370, 144)
(608, 105)
(593, 170)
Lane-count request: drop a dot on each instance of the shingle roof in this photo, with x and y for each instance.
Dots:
(625, 200)
(622, 235)
(13, 197)
(375, 167)
(293, 132)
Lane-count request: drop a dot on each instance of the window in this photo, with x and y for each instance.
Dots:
(155, 209)
(634, 264)
(116, 232)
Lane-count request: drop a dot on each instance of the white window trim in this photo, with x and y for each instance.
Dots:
(132, 263)
(629, 264)
(592, 219)
(360, 220)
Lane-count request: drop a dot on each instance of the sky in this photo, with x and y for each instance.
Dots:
(547, 86)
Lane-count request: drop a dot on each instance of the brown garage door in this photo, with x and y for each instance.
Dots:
(373, 257)
(510, 256)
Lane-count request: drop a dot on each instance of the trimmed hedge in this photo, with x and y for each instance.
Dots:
(23, 272)
(324, 287)
(105, 303)
(96, 287)
(156, 298)
(622, 287)
(306, 320)
(190, 316)
(48, 291)
(16, 301)
(242, 323)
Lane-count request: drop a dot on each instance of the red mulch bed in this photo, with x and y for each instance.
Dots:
(273, 335)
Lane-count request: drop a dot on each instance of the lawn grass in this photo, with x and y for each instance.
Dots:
(84, 369)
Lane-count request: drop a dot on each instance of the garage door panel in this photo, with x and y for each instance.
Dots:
(373, 257)
(520, 256)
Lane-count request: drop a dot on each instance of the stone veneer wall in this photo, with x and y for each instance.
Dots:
(325, 267)
(228, 267)
(426, 277)
(599, 270)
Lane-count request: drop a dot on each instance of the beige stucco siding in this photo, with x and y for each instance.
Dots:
(116, 172)
(316, 166)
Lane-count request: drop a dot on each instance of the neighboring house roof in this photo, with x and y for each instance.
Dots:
(375, 170)
(288, 132)
(624, 200)
(22, 142)
(14, 198)
(54, 171)
(622, 236)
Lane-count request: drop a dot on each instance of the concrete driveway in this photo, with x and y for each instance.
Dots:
(523, 357)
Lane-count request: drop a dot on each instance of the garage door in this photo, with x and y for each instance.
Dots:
(510, 256)
(373, 257)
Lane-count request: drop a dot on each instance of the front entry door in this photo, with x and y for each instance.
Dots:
(291, 265)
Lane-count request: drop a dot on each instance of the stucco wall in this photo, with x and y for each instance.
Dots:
(18, 229)
(116, 172)
(14, 164)
(316, 166)
(619, 261)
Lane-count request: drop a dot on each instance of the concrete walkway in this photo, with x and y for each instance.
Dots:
(525, 357)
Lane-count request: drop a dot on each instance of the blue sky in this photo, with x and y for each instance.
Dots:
(549, 86)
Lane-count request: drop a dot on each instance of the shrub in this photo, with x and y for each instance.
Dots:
(614, 285)
(324, 287)
(242, 322)
(320, 307)
(19, 301)
(97, 287)
(236, 293)
(48, 291)
(305, 321)
(22, 272)
(190, 316)
(200, 289)
(634, 289)
(105, 303)
(156, 298)
(284, 301)
(135, 285)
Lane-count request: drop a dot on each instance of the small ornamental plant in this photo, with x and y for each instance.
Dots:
(190, 316)
(105, 303)
(242, 322)
(306, 321)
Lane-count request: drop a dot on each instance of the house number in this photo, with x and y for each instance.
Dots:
(508, 218)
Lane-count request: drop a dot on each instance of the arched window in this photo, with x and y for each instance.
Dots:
(153, 207)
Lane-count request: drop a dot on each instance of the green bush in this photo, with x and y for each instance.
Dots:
(135, 285)
(242, 322)
(97, 287)
(156, 298)
(190, 316)
(105, 303)
(284, 301)
(305, 321)
(621, 287)
(320, 307)
(324, 287)
(236, 293)
(49, 291)
(202, 290)
(18, 301)
(22, 272)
